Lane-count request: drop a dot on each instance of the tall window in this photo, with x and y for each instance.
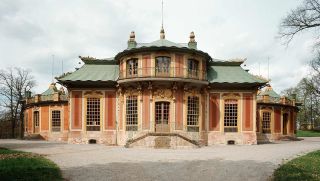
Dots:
(193, 114)
(132, 67)
(93, 114)
(266, 119)
(26, 122)
(163, 66)
(56, 121)
(132, 113)
(231, 115)
(193, 68)
(36, 118)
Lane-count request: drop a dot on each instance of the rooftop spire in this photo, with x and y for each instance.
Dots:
(162, 34)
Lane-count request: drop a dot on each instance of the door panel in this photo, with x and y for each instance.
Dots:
(162, 116)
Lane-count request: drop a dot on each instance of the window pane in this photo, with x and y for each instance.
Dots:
(230, 115)
(36, 118)
(132, 113)
(56, 120)
(193, 113)
(193, 68)
(132, 67)
(93, 114)
(266, 122)
(163, 65)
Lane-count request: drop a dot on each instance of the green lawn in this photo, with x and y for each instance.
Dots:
(17, 165)
(301, 133)
(306, 167)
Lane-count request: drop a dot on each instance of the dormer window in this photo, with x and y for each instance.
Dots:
(163, 66)
(193, 68)
(132, 67)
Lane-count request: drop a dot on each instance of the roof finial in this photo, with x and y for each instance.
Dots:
(132, 40)
(192, 42)
(162, 34)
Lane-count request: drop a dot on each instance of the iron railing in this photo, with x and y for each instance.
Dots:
(269, 99)
(162, 72)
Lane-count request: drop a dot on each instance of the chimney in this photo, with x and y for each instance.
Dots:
(132, 42)
(192, 43)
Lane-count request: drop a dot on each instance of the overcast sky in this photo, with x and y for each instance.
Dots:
(31, 31)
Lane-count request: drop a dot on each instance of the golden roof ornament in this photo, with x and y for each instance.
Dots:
(132, 36)
(192, 42)
(192, 37)
(269, 88)
(162, 34)
(132, 40)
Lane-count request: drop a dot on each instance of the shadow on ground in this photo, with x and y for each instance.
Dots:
(203, 170)
(30, 144)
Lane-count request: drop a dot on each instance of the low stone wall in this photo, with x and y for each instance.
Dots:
(245, 138)
(105, 137)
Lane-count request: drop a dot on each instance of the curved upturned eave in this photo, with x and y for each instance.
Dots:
(153, 48)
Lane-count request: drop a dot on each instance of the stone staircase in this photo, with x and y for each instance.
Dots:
(33, 137)
(262, 139)
(289, 138)
(162, 140)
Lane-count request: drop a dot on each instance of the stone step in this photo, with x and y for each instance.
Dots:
(162, 140)
(33, 137)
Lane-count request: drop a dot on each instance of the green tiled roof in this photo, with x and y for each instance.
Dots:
(51, 90)
(93, 72)
(162, 43)
(270, 92)
(225, 73)
(159, 45)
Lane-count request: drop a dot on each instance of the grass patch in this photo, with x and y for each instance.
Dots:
(306, 167)
(17, 165)
(311, 133)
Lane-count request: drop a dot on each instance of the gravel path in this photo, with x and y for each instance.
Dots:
(99, 162)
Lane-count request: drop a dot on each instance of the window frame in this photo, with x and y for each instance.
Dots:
(132, 116)
(36, 118)
(93, 121)
(132, 69)
(231, 117)
(193, 68)
(165, 68)
(193, 113)
(56, 120)
(266, 124)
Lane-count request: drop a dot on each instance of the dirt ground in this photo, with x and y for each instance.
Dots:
(222, 162)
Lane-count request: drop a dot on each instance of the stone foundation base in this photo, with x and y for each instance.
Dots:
(245, 138)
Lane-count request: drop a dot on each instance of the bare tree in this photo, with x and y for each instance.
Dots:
(13, 83)
(303, 18)
(306, 16)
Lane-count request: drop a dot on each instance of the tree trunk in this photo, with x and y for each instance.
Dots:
(22, 120)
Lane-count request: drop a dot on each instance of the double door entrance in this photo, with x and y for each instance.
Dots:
(162, 115)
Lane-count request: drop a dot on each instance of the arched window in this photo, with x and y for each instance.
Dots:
(266, 119)
(231, 115)
(162, 66)
(132, 67)
(193, 114)
(193, 68)
(132, 113)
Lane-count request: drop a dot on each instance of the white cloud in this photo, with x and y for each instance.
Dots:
(32, 31)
